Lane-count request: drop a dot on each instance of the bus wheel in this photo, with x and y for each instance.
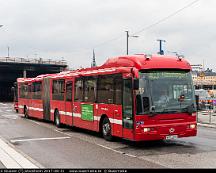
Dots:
(26, 115)
(106, 129)
(57, 119)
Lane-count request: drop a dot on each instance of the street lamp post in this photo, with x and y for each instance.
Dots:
(127, 32)
(127, 36)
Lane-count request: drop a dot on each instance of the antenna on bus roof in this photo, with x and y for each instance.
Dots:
(148, 57)
(180, 57)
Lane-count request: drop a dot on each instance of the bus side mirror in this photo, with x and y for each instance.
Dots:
(136, 84)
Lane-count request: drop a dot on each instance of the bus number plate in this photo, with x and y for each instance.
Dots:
(171, 137)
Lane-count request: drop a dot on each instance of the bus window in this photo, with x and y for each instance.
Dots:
(90, 89)
(69, 91)
(24, 91)
(29, 91)
(79, 90)
(58, 89)
(105, 89)
(36, 90)
(118, 90)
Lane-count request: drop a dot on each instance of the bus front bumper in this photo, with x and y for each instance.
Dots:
(165, 132)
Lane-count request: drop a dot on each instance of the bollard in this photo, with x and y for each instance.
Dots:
(209, 116)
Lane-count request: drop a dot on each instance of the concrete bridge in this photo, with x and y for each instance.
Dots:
(12, 68)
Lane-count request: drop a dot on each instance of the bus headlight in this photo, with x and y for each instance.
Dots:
(192, 126)
(146, 130)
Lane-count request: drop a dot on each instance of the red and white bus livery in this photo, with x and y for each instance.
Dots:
(138, 98)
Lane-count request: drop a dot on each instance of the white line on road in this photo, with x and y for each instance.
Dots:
(3, 104)
(12, 159)
(10, 116)
(39, 139)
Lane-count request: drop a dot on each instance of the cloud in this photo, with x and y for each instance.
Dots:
(72, 28)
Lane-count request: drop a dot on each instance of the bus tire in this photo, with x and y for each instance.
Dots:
(57, 119)
(26, 115)
(106, 129)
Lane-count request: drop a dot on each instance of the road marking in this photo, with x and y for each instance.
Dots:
(3, 104)
(39, 139)
(10, 116)
(108, 148)
(12, 159)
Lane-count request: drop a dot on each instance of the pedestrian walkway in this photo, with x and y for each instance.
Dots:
(207, 117)
(10, 158)
(2, 166)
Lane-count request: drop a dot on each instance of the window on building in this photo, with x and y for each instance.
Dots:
(58, 89)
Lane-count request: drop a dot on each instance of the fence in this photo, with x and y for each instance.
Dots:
(208, 115)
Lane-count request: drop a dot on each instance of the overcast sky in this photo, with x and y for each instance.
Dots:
(52, 29)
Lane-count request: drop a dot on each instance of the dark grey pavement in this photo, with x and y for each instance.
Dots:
(67, 147)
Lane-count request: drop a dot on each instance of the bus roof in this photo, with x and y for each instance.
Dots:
(122, 64)
(148, 62)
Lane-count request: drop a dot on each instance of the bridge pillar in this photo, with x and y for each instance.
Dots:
(24, 73)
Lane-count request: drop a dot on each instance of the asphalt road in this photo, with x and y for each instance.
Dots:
(50, 147)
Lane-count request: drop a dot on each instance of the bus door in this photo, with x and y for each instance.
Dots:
(128, 119)
(46, 98)
(69, 102)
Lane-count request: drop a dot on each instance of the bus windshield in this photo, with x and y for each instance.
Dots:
(165, 92)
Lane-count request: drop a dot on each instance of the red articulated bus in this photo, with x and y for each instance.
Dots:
(138, 98)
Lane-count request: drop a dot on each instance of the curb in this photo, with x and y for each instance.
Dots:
(17, 157)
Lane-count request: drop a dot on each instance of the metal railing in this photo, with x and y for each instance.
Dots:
(32, 61)
(208, 114)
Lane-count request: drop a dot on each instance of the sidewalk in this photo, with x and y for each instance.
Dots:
(207, 119)
(10, 158)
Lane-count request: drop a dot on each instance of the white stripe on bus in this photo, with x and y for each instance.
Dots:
(36, 109)
(115, 121)
(78, 115)
(21, 106)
